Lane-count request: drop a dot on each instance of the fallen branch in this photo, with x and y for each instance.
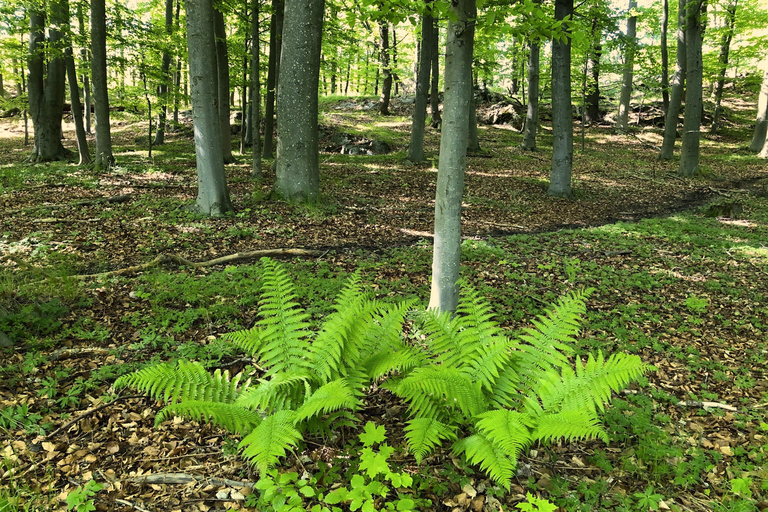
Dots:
(129, 504)
(184, 478)
(54, 220)
(112, 199)
(88, 413)
(66, 353)
(706, 405)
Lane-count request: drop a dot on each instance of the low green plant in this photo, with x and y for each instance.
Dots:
(281, 492)
(81, 498)
(536, 504)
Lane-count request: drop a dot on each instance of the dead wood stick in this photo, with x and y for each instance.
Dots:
(66, 353)
(88, 413)
(132, 505)
(184, 478)
(112, 199)
(706, 405)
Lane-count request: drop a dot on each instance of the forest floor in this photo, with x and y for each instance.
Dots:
(680, 269)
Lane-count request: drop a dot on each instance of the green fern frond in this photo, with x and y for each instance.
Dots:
(444, 341)
(249, 341)
(478, 449)
(488, 362)
(399, 358)
(282, 391)
(270, 439)
(506, 390)
(569, 425)
(424, 434)
(431, 390)
(183, 380)
(508, 430)
(330, 397)
(232, 417)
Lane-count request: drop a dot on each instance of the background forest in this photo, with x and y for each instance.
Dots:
(383, 255)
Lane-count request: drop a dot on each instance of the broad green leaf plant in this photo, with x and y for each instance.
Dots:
(464, 380)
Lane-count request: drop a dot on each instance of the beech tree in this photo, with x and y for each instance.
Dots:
(212, 192)
(386, 72)
(694, 31)
(162, 89)
(761, 124)
(562, 110)
(676, 93)
(725, 49)
(273, 72)
(622, 119)
(103, 158)
(297, 171)
(453, 156)
(416, 147)
(222, 82)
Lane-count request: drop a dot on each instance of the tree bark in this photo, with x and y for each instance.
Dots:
(434, 94)
(212, 192)
(676, 92)
(46, 92)
(592, 96)
(453, 156)
(562, 110)
(103, 158)
(416, 147)
(77, 108)
(386, 73)
(664, 55)
(725, 48)
(532, 114)
(222, 67)
(86, 77)
(689, 153)
(298, 173)
(273, 73)
(761, 124)
(256, 92)
(473, 141)
(622, 119)
(166, 77)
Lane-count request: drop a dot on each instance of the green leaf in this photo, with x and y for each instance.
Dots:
(406, 504)
(372, 434)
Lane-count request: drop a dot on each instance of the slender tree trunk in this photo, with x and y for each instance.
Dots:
(446, 258)
(177, 75)
(562, 110)
(298, 172)
(386, 86)
(273, 72)
(689, 154)
(473, 141)
(46, 92)
(513, 58)
(592, 96)
(165, 71)
(256, 91)
(622, 119)
(416, 148)
(86, 77)
(664, 55)
(532, 114)
(212, 192)
(725, 48)
(395, 78)
(761, 124)
(434, 94)
(222, 66)
(2, 87)
(104, 158)
(676, 92)
(77, 108)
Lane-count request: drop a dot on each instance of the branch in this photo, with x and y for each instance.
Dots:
(706, 405)
(184, 478)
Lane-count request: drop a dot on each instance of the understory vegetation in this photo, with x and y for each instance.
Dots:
(678, 273)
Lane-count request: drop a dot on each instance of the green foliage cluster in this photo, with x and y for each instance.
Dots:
(464, 375)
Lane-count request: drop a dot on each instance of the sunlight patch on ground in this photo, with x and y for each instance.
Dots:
(755, 254)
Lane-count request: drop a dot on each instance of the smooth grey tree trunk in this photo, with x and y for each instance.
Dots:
(212, 192)
(386, 73)
(761, 124)
(562, 110)
(255, 123)
(77, 108)
(103, 158)
(298, 172)
(453, 157)
(46, 91)
(622, 119)
(725, 49)
(166, 77)
(689, 153)
(592, 94)
(676, 92)
(532, 113)
(86, 77)
(416, 147)
(664, 55)
(434, 92)
(473, 141)
(222, 67)
(764, 152)
(273, 74)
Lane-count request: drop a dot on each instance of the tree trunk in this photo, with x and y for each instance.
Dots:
(761, 124)
(104, 158)
(622, 119)
(513, 60)
(46, 92)
(86, 77)
(676, 93)
(212, 192)
(562, 110)
(592, 96)
(453, 156)
(386, 86)
(664, 55)
(165, 72)
(222, 67)
(256, 92)
(532, 115)
(689, 154)
(725, 48)
(416, 148)
(473, 141)
(298, 173)
(177, 77)
(273, 72)
(434, 94)
(77, 108)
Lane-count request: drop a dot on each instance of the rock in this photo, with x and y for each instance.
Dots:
(379, 147)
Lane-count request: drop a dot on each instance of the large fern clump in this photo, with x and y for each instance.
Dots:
(493, 396)
(312, 380)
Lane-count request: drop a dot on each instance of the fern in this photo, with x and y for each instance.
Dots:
(270, 439)
(480, 450)
(331, 397)
(229, 416)
(424, 434)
